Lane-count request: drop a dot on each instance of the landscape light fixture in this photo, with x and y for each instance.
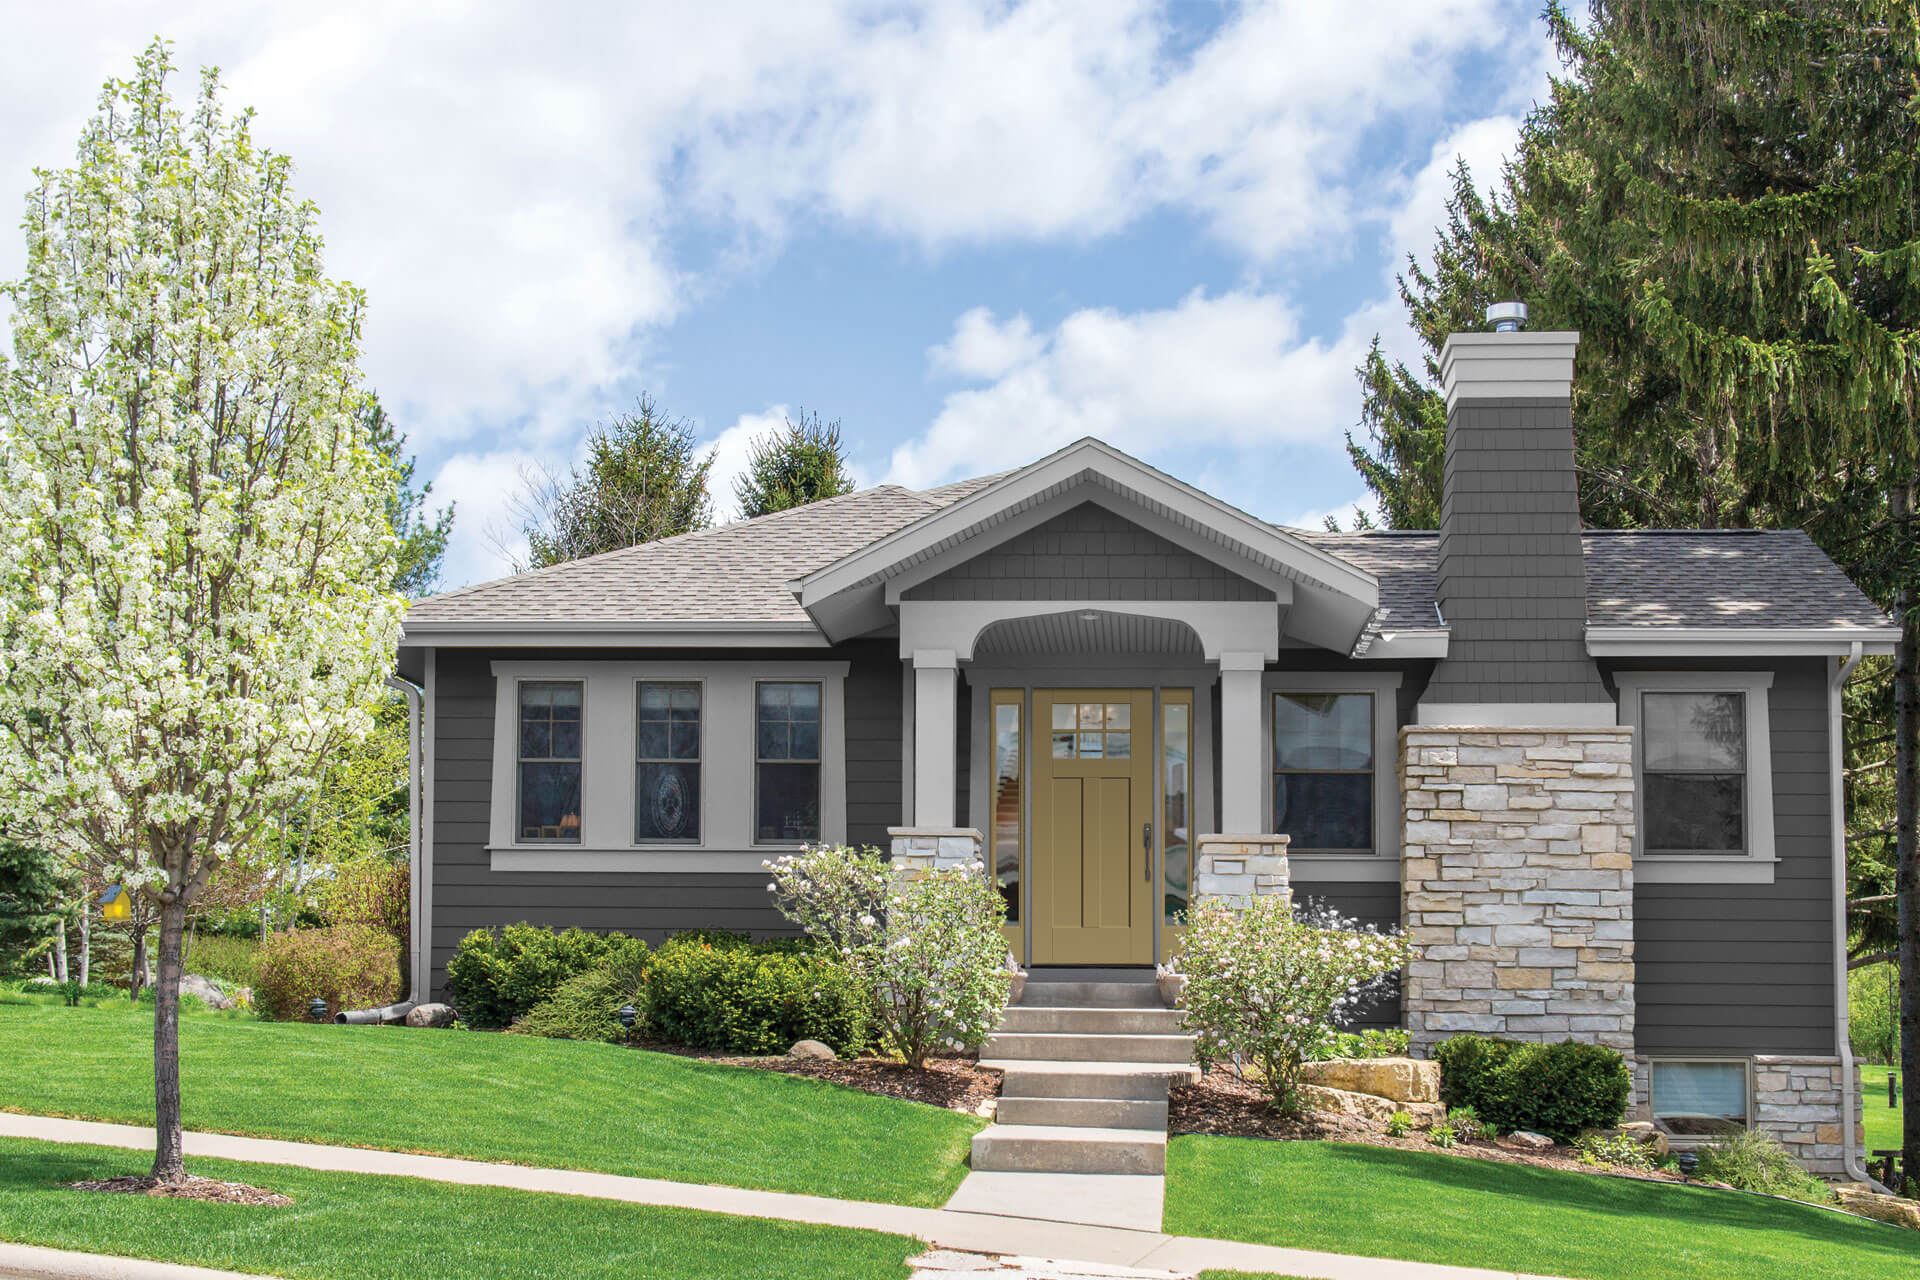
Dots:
(317, 1009)
(626, 1015)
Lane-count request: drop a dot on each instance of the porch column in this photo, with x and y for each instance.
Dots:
(935, 684)
(1240, 747)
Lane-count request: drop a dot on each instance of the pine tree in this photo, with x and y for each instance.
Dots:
(801, 462)
(423, 538)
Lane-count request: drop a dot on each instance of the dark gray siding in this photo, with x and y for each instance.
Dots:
(1743, 969)
(468, 895)
(1511, 580)
(1088, 553)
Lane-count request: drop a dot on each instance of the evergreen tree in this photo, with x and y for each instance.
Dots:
(800, 463)
(644, 479)
(423, 538)
(36, 889)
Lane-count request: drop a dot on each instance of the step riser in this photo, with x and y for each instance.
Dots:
(1028, 1046)
(1096, 1113)
(1093, 1021)
(1102, 995)
(1017, 1155)
(1071, 1085)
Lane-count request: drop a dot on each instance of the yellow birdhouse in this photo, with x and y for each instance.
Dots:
(116, 904)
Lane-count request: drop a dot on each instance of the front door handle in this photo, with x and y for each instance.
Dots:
(1146, 852)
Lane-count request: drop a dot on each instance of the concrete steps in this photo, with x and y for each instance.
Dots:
(1101, 994)
(1047, 1046)
(1041, 1148)
(1086, 1113)
(1092, 1020)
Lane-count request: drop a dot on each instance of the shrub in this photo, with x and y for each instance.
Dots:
(1399, 1124)
(1602, 1148)
(752, 999)
(1374, 1042)
(1752, 1160)
(224, 959)
(1268, 988)
(1466, 1123)
(926, 952)
(348, 966)
(587, 1005)
(375, 892)
(495, 977)
(1560, 1090)
(1442, 1135)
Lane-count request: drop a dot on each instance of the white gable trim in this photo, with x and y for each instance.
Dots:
(1725, 642)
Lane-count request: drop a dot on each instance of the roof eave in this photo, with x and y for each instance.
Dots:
(611, 633)
(1728, 642)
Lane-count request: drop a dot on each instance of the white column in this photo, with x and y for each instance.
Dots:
(1240, 754)
(935, 680)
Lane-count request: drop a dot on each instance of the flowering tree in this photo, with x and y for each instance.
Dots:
(1270, 989)
(927, 949)
(195, 557)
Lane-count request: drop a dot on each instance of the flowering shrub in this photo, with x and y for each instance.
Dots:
(927, 951)
(348, 966)
(1268, 989)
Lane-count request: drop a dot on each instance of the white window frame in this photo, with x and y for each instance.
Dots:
(753, 747)
(633, 765)
(1383, 863)
(554, 842)
(1757, 863)
(610, 712)
(1697, 1059)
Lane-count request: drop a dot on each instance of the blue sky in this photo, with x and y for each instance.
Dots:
(969, 231)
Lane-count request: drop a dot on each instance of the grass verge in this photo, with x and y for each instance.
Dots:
(363, 1227)
(1423, 1207)
(552, 1103)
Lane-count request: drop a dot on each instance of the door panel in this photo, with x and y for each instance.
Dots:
(1093, 795)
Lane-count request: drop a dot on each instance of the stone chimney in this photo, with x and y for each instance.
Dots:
(1512, 583)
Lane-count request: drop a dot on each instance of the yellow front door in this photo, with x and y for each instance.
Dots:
(1093, 893)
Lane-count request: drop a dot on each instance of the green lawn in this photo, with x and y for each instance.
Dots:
(1436, 1208)
(361, 1227)
(492, 1097)
(1883, 1122)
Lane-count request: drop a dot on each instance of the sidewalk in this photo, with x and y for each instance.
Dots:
(948, 1229)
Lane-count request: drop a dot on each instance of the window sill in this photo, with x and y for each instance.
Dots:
(1704, 869)
(646, 858)
(1346, 868)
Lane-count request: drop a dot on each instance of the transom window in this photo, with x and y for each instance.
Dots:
(666, 776)
(1323, 771)
(549, 760)
(1699, 1099)
(1694, 772)
(1092, 730)
(787, 760)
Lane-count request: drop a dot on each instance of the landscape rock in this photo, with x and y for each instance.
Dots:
(1530, 1140)
(1401, 1079)
(431, 1015)
(1367, 1106)
(1868, 1203)
(205, 990)
(988, 1109)
(812, 1049)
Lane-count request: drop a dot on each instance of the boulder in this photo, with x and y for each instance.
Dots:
(205, 990)
(1366, 1106)
(1530, 1140)
(1868, 1203)
(1400, 1079)
(812, 1049)
(431, 1015)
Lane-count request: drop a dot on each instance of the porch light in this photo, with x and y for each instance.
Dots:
(1088, 615)
(317, 1009)
(626, 1015)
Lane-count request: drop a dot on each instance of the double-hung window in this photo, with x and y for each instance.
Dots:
(549, 760)
(786, 761)
(1323, 765)
(666, 771)
(1703, 770)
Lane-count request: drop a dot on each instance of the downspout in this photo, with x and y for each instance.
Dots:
(1842, 1028)
(398, 1012)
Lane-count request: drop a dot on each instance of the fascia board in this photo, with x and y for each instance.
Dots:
(1719, 642)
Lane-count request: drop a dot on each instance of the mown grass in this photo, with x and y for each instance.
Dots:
(519, 1099)
(364, 1227)
(1423, 1207)
(1883, 1121)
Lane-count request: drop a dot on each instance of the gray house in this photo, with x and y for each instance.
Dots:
(1596, 775)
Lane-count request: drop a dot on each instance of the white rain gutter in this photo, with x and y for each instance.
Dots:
(1842, 1026)
(416, 812)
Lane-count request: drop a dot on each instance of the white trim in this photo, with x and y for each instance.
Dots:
(1383, 863)
(1516, 715)
(727, 769)
(1730, 642)
(1756, 865)
(430, 710)
(1507, 366)
(955, 626)
(1407, 644)
(608, 635)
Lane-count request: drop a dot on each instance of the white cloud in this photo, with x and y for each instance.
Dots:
(486, 539)
(984, 347)
(730, 452)
(1340, 512)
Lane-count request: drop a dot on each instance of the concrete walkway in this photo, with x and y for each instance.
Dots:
(970, 1232)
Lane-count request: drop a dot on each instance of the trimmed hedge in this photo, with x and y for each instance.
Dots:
(1557, 1089)
(754, 998)
(587, 1005)
(496, 977)
(348, 966)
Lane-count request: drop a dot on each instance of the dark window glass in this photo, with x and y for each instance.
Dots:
(1008, 827)
(1694, 772)
(1175, 821)
(1699, 1099)
(549, 763)
(1323, 770)
(787, 760)
(666, 781)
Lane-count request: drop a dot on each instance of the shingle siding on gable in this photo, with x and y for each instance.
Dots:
(469, 895)
(1088, 553)
(1735, 968)
(1511, 581)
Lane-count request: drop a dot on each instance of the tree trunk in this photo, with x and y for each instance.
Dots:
(1906, 735)
(60, 951)
(139, 978)
(169, 1163)
(86, 942)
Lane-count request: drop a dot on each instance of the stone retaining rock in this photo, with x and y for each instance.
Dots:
(1869, 1203)
(430, 1015)
(1366, 1106)
(1400, 1079)
(812, 1049)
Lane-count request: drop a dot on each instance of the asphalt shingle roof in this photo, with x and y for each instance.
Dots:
(738, 573)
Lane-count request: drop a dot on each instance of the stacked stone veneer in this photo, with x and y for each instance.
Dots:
(1518, 883)
(920, 849)
(1240, 868)
(1798, 1101)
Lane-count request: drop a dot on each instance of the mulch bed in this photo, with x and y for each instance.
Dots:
(209, 1189)
(1224, 1105)
(958, 1084)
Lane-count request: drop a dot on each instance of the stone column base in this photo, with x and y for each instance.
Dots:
(1797, 1100)
(1240, 868)
(918, 850)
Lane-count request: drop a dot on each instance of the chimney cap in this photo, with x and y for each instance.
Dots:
(1507, 317)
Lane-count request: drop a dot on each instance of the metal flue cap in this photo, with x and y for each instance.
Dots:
(1507, 317)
